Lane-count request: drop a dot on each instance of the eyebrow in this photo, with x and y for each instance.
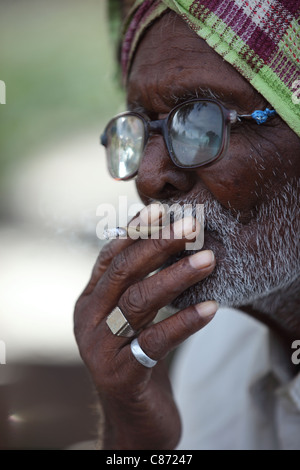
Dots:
(184, 94)
(197, 93)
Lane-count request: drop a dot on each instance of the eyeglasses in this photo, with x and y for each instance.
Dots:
(196, 133)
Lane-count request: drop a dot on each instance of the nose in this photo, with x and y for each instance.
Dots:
(158, 178)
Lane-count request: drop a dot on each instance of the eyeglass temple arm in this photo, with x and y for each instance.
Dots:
(258, 115)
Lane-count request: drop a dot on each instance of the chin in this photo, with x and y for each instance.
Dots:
(215, 287)
(254, 261)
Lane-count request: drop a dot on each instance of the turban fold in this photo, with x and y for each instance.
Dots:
(259, 38)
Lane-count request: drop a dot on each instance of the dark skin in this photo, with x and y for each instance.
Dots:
(138, 407)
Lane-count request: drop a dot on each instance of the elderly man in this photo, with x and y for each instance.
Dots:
(213, 118)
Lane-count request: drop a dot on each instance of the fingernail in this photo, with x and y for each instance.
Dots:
(207, 309)
(203, 259)
(186, 226)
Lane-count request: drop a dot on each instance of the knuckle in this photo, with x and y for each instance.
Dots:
(160, 244)
(76, 327)
(78, 317)
(86, 317)
(134, 299)
(173, 275)
(94, 356)
(154, 342)
(77, 333)
(119, 268)
(82, 340)
(105, 256)
(189, 324)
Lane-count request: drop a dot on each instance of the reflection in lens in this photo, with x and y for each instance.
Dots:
(125, 143)
(196, 133)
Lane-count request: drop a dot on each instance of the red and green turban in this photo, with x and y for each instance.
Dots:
(259, 38)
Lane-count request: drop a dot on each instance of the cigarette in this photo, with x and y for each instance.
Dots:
(118, 232)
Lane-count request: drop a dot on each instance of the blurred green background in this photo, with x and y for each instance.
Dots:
(58, 62)
(58, 65)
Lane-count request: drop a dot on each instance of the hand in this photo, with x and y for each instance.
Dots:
(139, 410)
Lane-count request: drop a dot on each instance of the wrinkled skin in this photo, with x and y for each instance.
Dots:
(137, 403)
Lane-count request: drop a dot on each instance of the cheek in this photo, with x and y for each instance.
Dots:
(237, 181)
(251, 172)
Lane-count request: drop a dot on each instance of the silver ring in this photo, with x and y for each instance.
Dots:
(140, 356)
(119, 325)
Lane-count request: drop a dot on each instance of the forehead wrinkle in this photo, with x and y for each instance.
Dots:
(152, 86)
(191, 69)
(165, 93)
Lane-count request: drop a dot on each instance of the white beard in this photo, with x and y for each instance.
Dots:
(242, 275)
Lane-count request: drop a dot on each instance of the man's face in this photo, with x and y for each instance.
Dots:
(251, 196)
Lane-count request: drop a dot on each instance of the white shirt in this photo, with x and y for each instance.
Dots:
(235, 389)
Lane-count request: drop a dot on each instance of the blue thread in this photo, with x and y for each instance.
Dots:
(261, 116)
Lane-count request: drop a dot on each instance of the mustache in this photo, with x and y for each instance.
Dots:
(217, 219)
(257, 260)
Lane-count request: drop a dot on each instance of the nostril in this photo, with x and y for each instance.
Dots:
(169, 190)
(158, 177)
(172, 192)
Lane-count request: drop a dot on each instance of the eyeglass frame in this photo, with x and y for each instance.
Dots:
(160, 127)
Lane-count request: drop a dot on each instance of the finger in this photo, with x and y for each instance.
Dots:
(142, 300)
(139, 260)
(147, 216)
(105, 257)
(158, 340)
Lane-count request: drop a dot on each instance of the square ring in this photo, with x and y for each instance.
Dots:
(119, 325)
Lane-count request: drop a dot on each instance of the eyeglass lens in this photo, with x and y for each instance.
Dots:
(194, 137)
(196, 133)
(125, 145)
